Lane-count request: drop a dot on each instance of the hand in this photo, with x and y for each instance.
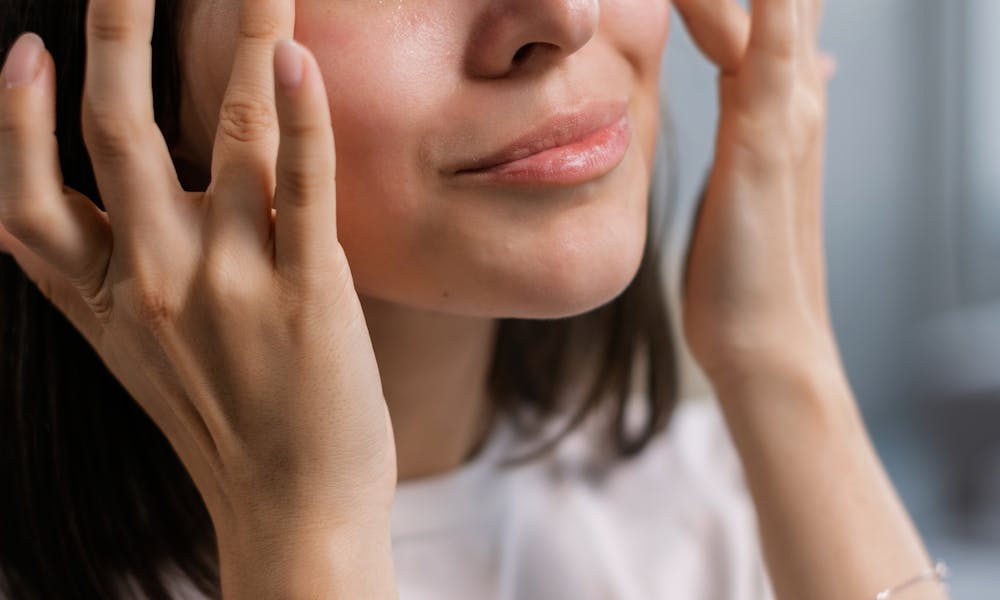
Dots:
(230, 315)
(755, 289)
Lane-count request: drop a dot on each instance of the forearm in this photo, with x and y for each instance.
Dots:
(832, 526)
(290, 563)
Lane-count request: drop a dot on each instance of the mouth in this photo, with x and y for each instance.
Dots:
(568, 149)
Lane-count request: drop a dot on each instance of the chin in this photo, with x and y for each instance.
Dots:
(570, 282)
(548, 280)
(554, 278)
(569, 301)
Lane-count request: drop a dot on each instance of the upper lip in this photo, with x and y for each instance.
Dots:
(562, 129)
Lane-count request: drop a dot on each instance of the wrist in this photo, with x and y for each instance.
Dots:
(292, 558)
(808, 392)
(816, 480)
(812, 369)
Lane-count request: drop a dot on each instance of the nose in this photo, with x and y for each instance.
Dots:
(518, 35)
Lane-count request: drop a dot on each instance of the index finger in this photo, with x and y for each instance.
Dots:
(719, 28)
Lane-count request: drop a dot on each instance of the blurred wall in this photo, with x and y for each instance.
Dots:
(979, 157)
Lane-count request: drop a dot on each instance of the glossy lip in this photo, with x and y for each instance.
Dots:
(568, 149)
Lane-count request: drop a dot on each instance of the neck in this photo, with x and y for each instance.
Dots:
(433, 368)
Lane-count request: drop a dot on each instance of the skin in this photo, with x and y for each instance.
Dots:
(272, 347)
(436, 261)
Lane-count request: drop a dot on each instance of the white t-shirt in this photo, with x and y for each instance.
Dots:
(676, 522)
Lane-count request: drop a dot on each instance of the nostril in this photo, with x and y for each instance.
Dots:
(523, 52)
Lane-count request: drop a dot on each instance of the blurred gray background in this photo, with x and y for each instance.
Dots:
(913, 246)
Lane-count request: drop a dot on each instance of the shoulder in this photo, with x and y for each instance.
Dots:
(692, 462)
(679, 514)
(689, 476)
(696, 446)
(693, 452)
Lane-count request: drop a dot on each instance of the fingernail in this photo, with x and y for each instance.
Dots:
(288, 64)
(24, 60)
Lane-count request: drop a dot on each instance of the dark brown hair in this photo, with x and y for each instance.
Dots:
(95, 493)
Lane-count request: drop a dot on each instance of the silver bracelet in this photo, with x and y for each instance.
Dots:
(939, 572)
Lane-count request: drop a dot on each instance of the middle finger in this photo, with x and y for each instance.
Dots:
(771, 54)
(814, 16)
(809, 12)
(246, 143)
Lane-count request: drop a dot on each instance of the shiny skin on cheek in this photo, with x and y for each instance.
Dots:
(383, 84)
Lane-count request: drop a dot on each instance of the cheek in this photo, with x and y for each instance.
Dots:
(382, 87)
(386, 80)
(638, 32)
(639, 27)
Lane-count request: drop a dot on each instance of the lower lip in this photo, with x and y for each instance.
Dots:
(580, 162)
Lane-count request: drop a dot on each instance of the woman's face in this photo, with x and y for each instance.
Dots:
(425, 92)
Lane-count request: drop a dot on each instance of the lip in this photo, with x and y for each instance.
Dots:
(568, 149)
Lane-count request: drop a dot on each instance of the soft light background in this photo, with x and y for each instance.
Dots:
(913, 246)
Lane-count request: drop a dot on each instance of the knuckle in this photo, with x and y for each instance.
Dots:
(300, 129)
(109, 29)
(246, 119)
(302, 182)
(109, 22)
(784, 46)
(811, 113)
(260, 27)
(26, 221)
(11, 126)
(19, 122)
(776, 43)
(328, 285)
(809, 119)
(225, 283)
(108, 133)
(152, 304)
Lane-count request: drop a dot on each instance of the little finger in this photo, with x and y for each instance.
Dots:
(60, 225)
